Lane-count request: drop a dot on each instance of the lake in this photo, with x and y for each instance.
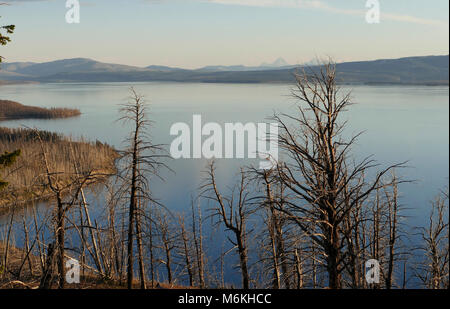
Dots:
(400, 123)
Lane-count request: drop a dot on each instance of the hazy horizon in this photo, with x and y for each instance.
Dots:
(268, 64)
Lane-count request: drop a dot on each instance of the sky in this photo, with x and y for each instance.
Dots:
(196, 33)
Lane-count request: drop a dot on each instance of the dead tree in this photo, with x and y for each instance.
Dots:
(84, 211)
(186, 251)
(57, 189)
(60, 221)
(233, 212)
(168, 244)
(393, 209)
(433, 271)
(317, 168)
(4, 262)
(197, 234)
(115, 229)
(380, 236)
(299, 269)
(72, 188)
(47, 273)
(275, 225)
(140, 246)
(142, 160)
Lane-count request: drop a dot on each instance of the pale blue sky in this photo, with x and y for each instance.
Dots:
(194, 33)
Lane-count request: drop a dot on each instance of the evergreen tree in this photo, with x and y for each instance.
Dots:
(7, 159)
(4, 38)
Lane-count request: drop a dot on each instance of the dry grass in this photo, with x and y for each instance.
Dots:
(30, 276)
(66, 159)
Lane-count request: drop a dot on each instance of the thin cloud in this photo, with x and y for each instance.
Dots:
(273, 3)
(263, 3)
(320, 5)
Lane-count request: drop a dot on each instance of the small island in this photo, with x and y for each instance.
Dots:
(10, 110)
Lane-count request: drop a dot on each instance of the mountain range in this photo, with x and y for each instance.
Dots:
(425, 70)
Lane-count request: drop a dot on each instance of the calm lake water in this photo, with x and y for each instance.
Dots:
(400, 123)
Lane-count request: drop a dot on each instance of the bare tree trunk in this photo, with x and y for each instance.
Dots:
(131, 217)
(152, 265)
(47, 274)
(144, 158)
(234, 218)
(167, 246)
(314, 266)
(60, 231)
(8, 236)
(243, 259)
(27, 249)
(276, 282)
(299, 269)
(91, 233)
(333, 259)
(186, 252)
(140, 251)
(198, 242)
(38, 240)
(393, 222)
(136, 110)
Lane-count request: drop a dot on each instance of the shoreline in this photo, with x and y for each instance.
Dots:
(6, 206)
